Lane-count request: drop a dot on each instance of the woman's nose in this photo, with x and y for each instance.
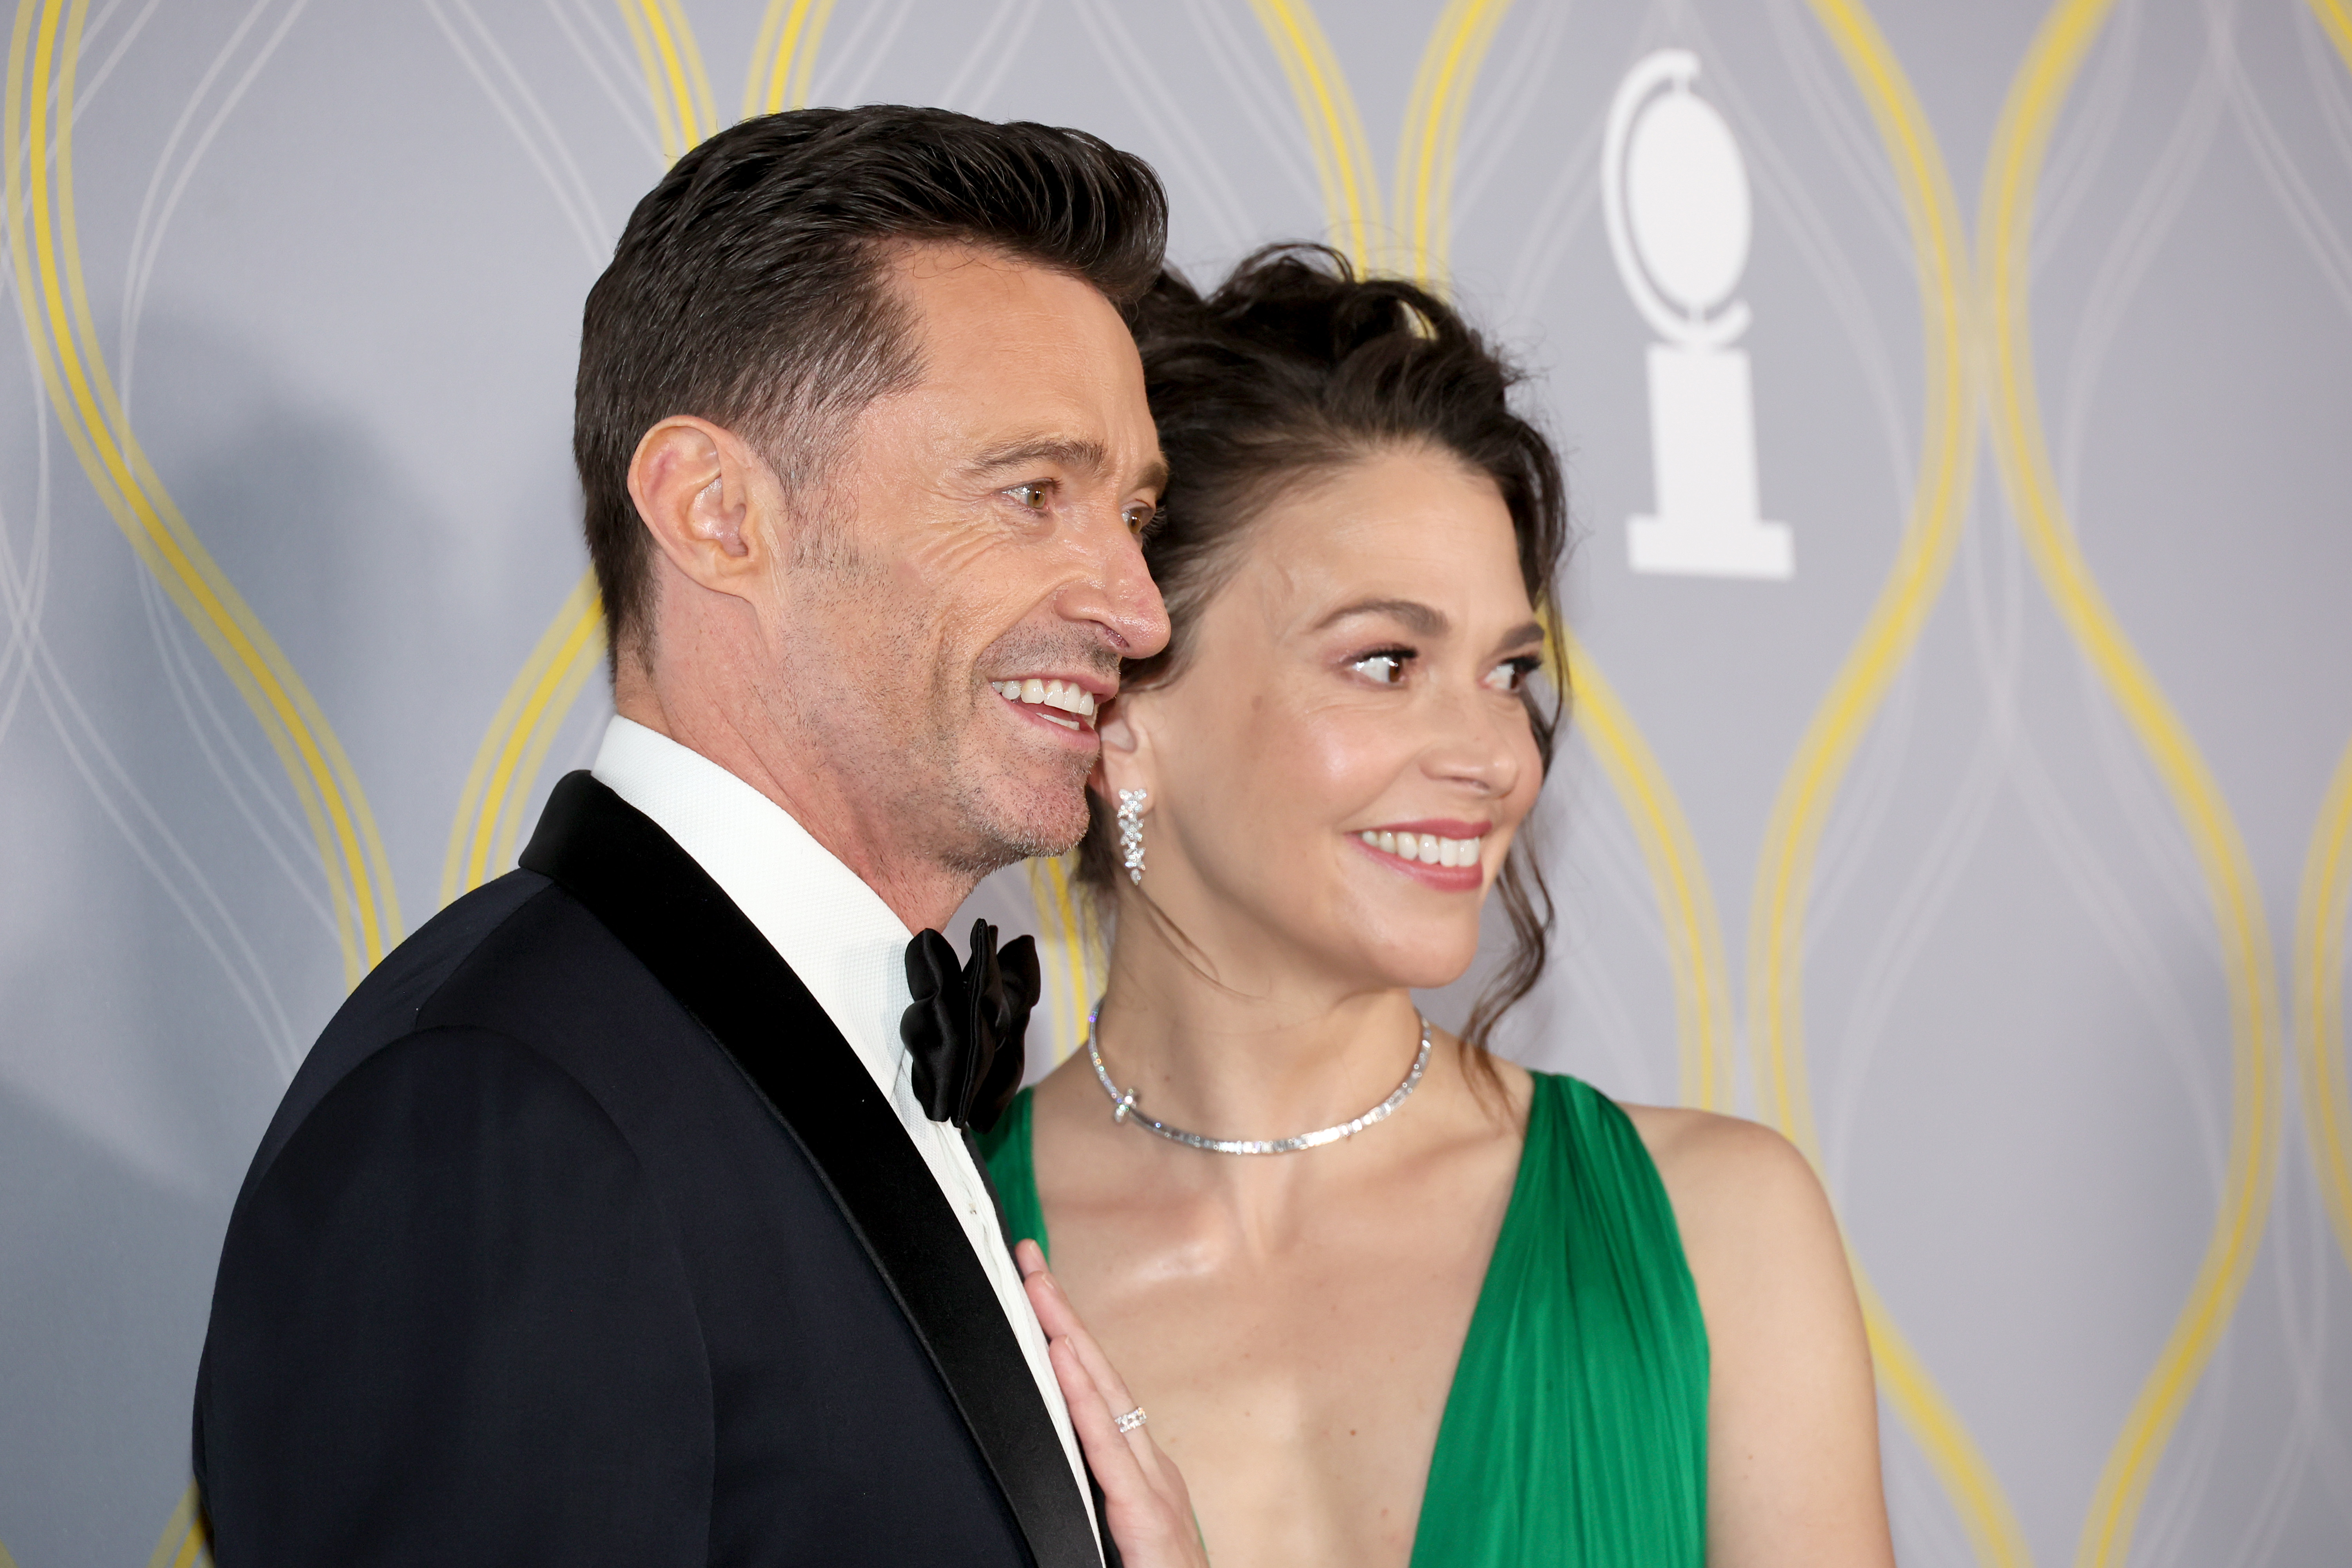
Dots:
(1480, 744)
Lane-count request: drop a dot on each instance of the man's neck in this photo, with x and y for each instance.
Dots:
(921, 891)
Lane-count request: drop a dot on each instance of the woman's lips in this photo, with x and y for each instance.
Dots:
(1450, 864)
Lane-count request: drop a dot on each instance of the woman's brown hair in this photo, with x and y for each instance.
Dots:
(1295, 367)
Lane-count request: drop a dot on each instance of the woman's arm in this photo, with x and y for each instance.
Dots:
(1793, 1414)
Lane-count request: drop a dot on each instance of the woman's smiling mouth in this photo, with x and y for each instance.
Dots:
(1448, 856)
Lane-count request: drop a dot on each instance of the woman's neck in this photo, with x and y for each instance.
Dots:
(1271, 1052)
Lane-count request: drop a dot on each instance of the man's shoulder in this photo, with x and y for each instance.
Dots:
(518, 958)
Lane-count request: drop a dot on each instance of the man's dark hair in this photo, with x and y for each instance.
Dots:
(751, 287)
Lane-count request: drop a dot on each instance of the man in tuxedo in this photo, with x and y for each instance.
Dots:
(627, 1213)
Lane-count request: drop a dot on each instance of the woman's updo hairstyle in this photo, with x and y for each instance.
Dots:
(1292, 369)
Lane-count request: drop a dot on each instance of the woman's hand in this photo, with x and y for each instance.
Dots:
(1145, 1506)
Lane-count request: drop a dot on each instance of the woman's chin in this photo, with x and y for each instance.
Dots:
(1430, 963)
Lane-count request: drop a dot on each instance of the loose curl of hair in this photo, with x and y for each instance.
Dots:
(1294, 368)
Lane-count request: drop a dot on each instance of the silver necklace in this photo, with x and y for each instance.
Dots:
(1122, 1108)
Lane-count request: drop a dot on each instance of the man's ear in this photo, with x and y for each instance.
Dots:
(702, 494)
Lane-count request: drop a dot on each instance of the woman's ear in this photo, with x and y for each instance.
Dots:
(1120, 764)
(1118, 734)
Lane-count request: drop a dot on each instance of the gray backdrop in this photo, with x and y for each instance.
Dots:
(1999, 854)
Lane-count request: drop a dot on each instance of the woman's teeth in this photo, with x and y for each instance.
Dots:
(1066, 695)
(1426, 847)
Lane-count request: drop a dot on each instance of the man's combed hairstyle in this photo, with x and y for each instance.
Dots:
(1291, 370)
(750, 287)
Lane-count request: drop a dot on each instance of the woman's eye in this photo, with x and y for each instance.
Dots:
(1383, 669)
(1032, 497)
(1511, 675)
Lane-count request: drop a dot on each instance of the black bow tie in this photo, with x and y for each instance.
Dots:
(964, 1028)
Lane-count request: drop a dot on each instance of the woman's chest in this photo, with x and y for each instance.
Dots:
(1300, 1388)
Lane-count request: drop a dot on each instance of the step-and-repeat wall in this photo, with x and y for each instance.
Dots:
(1958, 403)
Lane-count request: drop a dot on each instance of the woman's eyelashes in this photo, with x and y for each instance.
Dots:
(1511, 675)
(1384, 666)
(1391, 665)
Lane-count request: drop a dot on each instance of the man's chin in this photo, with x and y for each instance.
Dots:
(1014, 819)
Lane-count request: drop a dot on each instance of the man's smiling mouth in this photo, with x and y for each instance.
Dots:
(1067, 696)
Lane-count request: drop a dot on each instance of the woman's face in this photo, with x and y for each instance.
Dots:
(1337, 774)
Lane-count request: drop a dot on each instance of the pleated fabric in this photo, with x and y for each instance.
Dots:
(1575, 1432)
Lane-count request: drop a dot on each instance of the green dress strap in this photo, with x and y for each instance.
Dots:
(1006, 1148)
(1576, 1429)
(1575, 1432)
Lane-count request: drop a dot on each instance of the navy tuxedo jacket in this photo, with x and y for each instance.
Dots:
(582, 1238)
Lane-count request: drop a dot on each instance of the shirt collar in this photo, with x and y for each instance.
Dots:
(839, 937)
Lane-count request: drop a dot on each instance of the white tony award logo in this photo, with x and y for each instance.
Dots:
(1676, 199)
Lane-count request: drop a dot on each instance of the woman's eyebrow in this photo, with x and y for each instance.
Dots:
(1531, 632)
(1424, 620)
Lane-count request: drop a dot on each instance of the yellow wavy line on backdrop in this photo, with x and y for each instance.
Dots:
(1677, 873)
(1066, 941)
(2005, 234)
(489, 813)
(672, 61)
(1775, 952)
(2320, 922)
(1426, 157)
(65, 342)
(182, 1543)
(789, 36)
(1433, 131)
(506, 763)
(2337, 18)
(1335, 133)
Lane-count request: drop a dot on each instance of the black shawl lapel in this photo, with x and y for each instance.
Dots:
(665, 908)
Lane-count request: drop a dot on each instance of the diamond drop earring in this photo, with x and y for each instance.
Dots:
(1131, 831)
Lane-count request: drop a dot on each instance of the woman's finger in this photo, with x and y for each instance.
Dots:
(1150, 1520)
(1060, 1320)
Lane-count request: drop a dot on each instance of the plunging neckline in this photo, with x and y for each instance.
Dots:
(1574, 1428)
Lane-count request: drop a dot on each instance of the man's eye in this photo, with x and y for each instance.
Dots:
(1511, 675)
(1385, 667)
(1140, 517)
(1032, 497)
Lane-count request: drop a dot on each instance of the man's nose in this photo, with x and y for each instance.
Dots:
(1117, 594)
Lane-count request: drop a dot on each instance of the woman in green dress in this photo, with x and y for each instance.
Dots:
(1383, 1298)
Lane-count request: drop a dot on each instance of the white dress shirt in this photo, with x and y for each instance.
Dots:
(850, 950)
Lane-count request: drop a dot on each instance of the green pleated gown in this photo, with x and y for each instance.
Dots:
(1575, 1432)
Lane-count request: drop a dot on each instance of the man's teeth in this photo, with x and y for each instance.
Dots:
(1066, 695)
(1426, 847)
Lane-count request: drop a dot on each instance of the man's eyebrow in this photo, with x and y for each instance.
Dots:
(1423, 619)
(1062, 452)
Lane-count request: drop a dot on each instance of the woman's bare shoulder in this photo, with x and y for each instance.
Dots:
(1793, 1467)
(1735, 1185)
